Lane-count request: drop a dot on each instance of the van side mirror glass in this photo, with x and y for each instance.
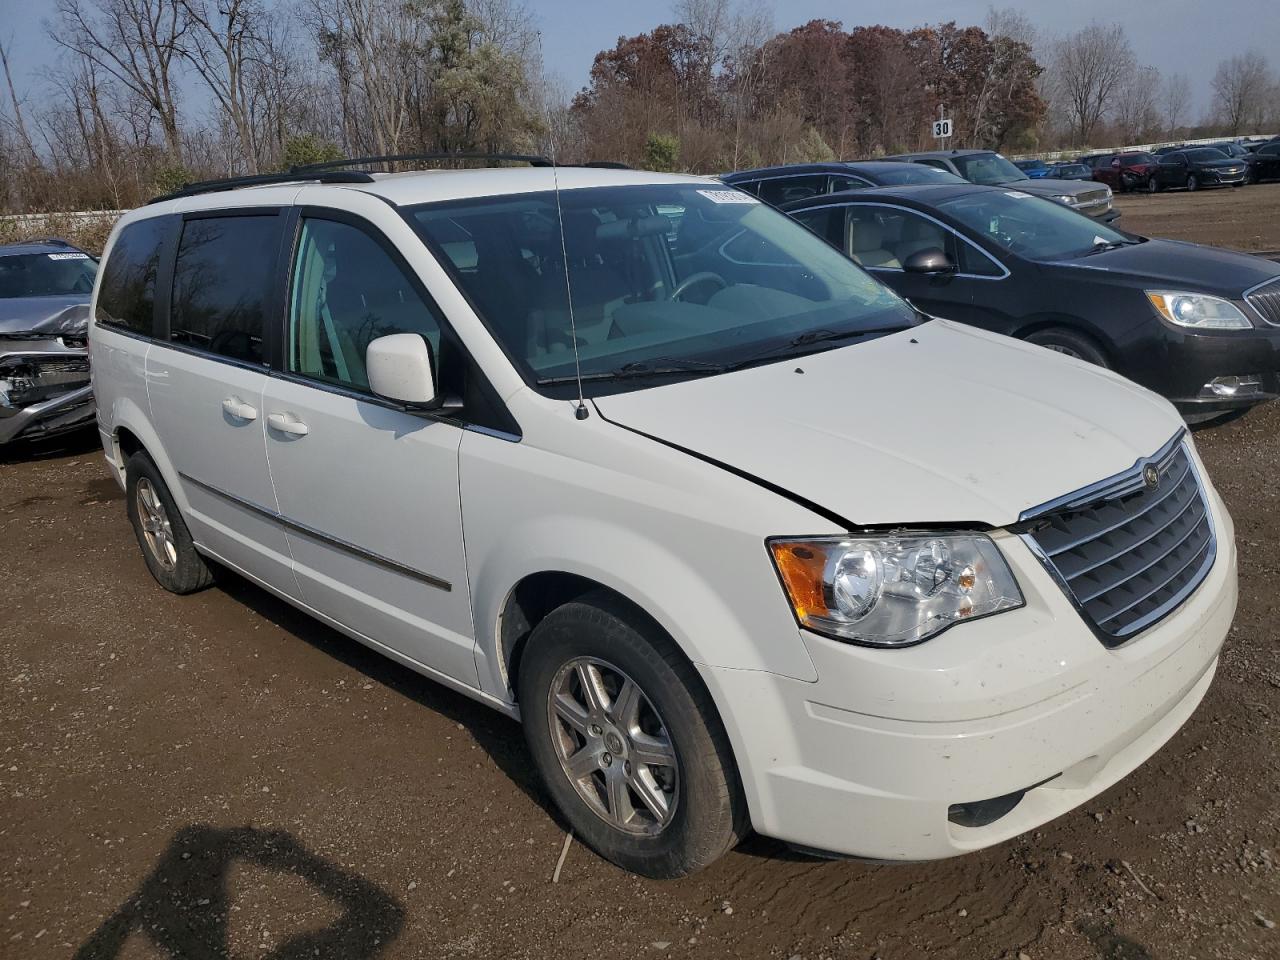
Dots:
(931, 260)
(400, 368)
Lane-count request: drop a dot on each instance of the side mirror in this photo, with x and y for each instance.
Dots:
(930, 260)
(400, 368)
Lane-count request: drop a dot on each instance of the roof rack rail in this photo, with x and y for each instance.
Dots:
(601, 165)
(262, 180)
(532, 159)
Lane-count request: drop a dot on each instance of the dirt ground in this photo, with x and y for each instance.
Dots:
(217, 775)
(1243, 218)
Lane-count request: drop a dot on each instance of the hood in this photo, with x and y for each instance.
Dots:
(44, 316)
(1219, 164)
(1050, 186)
(937, 424)
(1177, 265)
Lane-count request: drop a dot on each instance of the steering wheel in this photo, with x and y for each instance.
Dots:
(703, 276)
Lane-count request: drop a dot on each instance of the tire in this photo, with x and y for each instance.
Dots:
(1153, 185)
(701, 798)
(1193, 182)
(162, 534)
(1078, 345)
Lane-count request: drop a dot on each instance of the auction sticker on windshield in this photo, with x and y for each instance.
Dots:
(68, 256)
(728, 196)
(1017, 194)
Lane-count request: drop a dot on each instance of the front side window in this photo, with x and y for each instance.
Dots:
(884, 237)
(730, 278)
(988, 168)
(1032, 227)
(915, 173)
(222, 284)
(127, 295)
(347, 291)
(58, 273)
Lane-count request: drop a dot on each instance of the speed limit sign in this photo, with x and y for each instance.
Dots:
(942, 129)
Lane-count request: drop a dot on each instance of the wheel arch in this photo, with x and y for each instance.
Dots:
(131, 432)
(1074, 325)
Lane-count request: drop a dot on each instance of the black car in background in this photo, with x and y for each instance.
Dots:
(1197, 324)
(1069, 170)
(796, 181)
(1197, 167)
(1266, 162)
(1237, 151)
(45, 287)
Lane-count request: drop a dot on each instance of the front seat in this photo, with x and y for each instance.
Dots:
(919, 235)
(866, 245)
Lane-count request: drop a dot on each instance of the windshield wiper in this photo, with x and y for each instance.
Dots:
(657, 367)
(1101, 246)
(809, 338)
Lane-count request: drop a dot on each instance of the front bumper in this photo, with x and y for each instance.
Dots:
(1179, 364)
(873, 759)
(44, 389)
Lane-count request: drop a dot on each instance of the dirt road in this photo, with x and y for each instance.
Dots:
(1245, 218)
(218, 775)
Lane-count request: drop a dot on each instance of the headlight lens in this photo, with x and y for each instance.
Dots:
(1198, 310)
(891, 590)
(1069, 200)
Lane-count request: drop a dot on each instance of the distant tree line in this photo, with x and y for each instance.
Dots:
(148, 94)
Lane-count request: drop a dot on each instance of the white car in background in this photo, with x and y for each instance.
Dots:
(742, 538)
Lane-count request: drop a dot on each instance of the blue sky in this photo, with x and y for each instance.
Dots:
(1174, 35)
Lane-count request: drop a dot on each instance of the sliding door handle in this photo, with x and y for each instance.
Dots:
(287, 423)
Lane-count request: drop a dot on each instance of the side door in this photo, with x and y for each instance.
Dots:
(1172, 171)
(218, 300)
(881, 236)
(1268, 161)
(368, 490)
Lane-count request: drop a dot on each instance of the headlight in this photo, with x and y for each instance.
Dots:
(1198, 310)
(1068, 199)
(891, 590)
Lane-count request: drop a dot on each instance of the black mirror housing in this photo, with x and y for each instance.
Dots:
(930, 260)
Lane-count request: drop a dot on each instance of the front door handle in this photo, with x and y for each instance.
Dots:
(235, 407)
(287, 423)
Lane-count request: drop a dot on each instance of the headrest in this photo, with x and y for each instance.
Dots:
(866, 236)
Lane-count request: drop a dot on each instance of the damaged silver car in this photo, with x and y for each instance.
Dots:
(45, 286)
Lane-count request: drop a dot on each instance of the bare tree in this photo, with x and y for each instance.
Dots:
(19, 125)
(225, 43)
(1135, 114)
(1175, 98)
(1240, 85)
(1089, 66)
(135, 41)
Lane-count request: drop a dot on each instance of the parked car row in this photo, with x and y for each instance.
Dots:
(1189, 166)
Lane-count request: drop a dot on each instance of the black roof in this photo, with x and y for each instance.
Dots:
(923, 195)
(785, 169)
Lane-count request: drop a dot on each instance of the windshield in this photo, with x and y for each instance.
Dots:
(1031, 227)
(685, 277)
(987, 168)
(915, 173)
(1205, 154)
(64, 273)
(1230, 149)
(1072, 170)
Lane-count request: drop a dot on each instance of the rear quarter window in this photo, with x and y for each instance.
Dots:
(127, 294)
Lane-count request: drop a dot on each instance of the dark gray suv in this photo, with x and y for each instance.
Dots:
(991, 169)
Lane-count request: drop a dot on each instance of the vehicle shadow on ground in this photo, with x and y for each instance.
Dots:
(183, 905)
(499, 736)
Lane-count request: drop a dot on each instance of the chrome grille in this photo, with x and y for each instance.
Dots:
(1265, 298)
(1128, 553)
(1093, 196)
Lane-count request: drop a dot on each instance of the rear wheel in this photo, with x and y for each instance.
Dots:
(627, 739)
(162, 534)
(1072, 344)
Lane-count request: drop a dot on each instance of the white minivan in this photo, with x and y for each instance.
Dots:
(743, 539)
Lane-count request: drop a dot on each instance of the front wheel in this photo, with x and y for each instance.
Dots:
(1153, 185)
(1193, 182)
(1071, 344)
(627, 739)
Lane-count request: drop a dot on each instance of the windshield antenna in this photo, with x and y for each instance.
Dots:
(581, 412)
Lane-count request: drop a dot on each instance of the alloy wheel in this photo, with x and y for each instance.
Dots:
(613, 746)
(156, 529)
(1059, 348)
(1192, 182)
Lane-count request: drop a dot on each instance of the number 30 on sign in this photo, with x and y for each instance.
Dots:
(942, 129)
